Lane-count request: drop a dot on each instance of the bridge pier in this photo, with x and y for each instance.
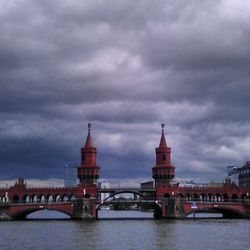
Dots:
(170, 208)
(84, 209)
(4, 215)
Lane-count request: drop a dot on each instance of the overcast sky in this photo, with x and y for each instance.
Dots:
(126, 67)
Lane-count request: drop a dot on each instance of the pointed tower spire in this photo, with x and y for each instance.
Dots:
(163, 143)
(163, 171)
(88, 171)
(89, 141)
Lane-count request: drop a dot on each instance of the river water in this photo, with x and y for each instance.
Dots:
(142, 233)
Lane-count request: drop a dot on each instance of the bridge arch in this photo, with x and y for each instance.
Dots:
(226, 212)
(21, 215)
(114, 194)
(123, 192)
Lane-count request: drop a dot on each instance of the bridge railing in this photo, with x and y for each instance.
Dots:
(247, 201)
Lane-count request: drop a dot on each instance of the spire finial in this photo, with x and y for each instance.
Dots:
(162, 127)
(89, 127)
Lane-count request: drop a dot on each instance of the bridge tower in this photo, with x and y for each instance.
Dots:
(163, 171)
(88, 171)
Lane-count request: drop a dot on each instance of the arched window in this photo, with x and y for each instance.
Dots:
(15, 198)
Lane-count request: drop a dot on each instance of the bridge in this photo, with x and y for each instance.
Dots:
(166, 198)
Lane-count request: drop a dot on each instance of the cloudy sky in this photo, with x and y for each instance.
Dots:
(126, 67)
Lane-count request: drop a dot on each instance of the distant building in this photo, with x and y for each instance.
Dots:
(103, 184)
(215, 184)
(148, 184)
(244, 175)
(70, 175)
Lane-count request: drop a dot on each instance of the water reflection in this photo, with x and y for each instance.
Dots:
(126, 234)
(112, 214)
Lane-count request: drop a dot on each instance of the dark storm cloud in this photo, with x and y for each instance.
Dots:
(126, 66)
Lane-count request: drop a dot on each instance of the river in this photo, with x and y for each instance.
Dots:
(142, 233)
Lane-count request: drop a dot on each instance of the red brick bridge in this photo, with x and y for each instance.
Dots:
(169, 199)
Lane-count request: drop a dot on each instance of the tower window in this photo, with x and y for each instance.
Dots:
(164, 157)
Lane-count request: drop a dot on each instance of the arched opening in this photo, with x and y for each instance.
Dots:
(225, 197)
(50, 198)
(210, 197)
(204, 213)
(167, 195)
(234, 197)
(72, 197)
(42, 199)
(65, 198)
(58, 198)
(86, 196)
(244, 197)
(203, 197)
(34, 199)
(180, 195)
(26, 199)
(218, 197)
(15, 198)
(188, 197)
(45, 215)
(124, 205)
(195, 197)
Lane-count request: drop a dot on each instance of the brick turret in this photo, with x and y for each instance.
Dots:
(88, 171)
(163, 171)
